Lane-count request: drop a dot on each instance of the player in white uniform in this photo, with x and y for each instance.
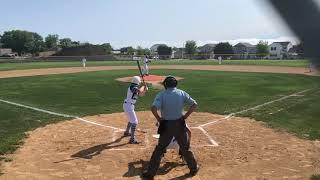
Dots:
(145, 66)
(84, 60)
(135, 89)
(220, 59)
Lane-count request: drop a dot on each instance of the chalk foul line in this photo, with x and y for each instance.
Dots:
(59, 114)
(296, 94)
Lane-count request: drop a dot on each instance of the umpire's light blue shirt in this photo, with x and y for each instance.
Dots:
(171, 102)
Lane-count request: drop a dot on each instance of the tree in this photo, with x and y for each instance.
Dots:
(65, 43)
(140, 51)
(52, 41)
(147, 52)
(22, 41)
(107, 47)
(191, 47)
(75, 43)
(130, 50)
(223, 49)
(34, 43)
(262, 49)
(164, 51)
(127, 50)
(0, 41)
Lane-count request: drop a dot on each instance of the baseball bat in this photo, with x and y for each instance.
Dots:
(138, 63)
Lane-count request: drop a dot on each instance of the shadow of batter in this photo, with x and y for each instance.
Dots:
(89, 153)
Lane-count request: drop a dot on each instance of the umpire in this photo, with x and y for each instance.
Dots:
(171, 102)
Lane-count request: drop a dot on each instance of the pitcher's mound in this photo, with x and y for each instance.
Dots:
(155, 80)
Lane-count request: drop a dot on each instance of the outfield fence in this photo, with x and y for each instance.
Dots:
(127, 57)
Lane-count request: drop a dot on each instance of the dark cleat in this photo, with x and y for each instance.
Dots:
(146, 175)
(133, 142)
(194, 172)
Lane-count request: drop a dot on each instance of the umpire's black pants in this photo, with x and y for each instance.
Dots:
(177, 129)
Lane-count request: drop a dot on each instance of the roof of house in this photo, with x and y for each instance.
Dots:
(284, 43)
(245, 44)
(209, 45)
(206, 48)
(155, 46)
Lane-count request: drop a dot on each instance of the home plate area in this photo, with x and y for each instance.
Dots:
(145, 134)
(77, 149)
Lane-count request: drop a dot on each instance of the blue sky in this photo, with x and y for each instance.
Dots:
(145, 22)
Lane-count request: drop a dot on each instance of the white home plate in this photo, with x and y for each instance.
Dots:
(173, 144)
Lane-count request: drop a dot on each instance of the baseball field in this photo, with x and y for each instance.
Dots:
(256, 120)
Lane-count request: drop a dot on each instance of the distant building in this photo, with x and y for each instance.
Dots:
(178, 53)
(116, 52)
(244, 51)
(5, 51)
(47, 53)
(154, 49)
(207, 51)
(280, 50)
(293, 53)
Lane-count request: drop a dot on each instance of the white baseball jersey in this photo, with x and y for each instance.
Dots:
(132, 94)
(145, 66)
(146, 60)
(128, 105)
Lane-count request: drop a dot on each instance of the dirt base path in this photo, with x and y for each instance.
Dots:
(238, 68)
(78, 150)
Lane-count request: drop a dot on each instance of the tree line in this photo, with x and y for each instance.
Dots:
(22, 41)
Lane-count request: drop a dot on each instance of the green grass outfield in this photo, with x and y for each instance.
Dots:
(37, 65)
(91, 93)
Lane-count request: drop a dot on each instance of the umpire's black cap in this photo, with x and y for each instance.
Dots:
(170, 82)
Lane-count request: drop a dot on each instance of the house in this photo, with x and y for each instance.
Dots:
(116, 52)
(293, 53)
(154, 49)
(5, 51)
(207, 51)
(178, 53)
(244, 51)
(280, 50)
(47, 53)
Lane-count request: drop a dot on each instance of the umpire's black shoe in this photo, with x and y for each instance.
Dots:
(147, 175)
(194, 172)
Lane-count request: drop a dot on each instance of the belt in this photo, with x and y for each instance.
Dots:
(173, 120)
